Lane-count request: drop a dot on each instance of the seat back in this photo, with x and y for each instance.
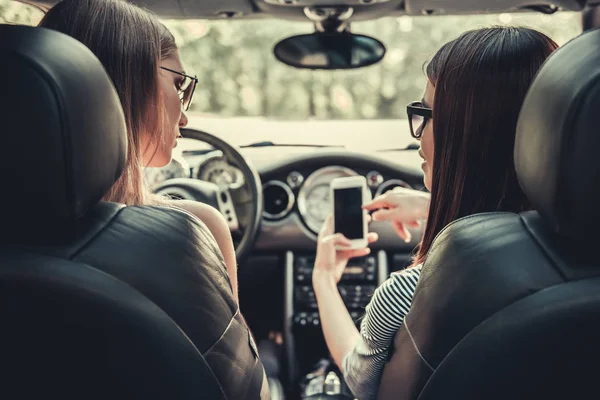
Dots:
(544, 346)
(72, 332)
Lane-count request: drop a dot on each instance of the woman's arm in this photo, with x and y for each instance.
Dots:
(338, 328)
(217, 225)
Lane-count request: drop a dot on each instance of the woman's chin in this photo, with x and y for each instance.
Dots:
(159, 161)
(426, 176)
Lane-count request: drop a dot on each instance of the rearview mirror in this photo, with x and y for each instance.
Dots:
(329, 51)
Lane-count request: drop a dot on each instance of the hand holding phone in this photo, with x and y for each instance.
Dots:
(348, 194)
(334, 251)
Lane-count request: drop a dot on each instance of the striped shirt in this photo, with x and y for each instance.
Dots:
(362, 366)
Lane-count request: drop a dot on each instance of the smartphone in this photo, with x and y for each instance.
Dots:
(348, 195)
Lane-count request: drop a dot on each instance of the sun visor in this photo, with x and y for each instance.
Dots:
(445, 7)
(216, 9)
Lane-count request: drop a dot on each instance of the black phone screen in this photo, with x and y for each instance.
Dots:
(348, 214)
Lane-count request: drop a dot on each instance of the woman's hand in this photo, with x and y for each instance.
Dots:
(331, 259)
(402, 207)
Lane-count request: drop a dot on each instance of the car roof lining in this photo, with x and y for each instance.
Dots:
(224, 9)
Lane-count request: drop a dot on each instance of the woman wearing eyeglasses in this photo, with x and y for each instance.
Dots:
(141, 57)
(466, 124)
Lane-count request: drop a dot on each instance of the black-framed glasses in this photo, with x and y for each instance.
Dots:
(418, 115)
(186, 89)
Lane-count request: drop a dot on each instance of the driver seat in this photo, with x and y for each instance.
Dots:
(508, 306)
(94, 296)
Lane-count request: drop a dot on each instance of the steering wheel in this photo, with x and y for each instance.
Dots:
(242, 206)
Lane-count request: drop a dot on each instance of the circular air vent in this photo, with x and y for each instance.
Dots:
(278, 199)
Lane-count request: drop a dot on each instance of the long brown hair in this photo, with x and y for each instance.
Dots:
(130, 42)
(480, 81)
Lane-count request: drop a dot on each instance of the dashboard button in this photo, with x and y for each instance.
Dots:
(374, 179)
(295, 179)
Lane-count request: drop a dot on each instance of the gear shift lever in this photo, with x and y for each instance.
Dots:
(332, 385)
(325, 382)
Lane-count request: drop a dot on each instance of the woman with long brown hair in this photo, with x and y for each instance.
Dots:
(466, 124)
(141, 57)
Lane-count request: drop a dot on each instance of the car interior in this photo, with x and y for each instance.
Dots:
(513, 312)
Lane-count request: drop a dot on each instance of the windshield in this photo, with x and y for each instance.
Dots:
(239, 75)
(245, 95)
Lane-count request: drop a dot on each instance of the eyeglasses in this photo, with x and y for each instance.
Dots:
(418, 115)
(186, 89)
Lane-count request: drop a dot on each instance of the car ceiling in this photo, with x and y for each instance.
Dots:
(363, 9)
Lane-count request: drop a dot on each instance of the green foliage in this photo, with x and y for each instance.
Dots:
(239, 76)
(12, 12)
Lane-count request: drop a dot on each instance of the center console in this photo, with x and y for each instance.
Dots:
(305, 344)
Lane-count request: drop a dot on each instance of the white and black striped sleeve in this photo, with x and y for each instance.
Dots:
(362, 366)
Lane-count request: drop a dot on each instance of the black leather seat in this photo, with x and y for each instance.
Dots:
(70, 331)
(86, 286)
(508, 306)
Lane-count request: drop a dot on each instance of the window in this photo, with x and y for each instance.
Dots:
(14, 12)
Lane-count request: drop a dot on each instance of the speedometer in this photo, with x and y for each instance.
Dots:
(314, 203)
(318, 204)
(218, 171)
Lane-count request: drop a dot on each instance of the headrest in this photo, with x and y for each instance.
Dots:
(557, 148)
(63, 131)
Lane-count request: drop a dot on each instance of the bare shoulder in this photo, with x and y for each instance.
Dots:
(200, 210)
(217, 225)
(211, 217)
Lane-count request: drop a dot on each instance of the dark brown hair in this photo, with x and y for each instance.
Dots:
(130, 42)
(480, 81)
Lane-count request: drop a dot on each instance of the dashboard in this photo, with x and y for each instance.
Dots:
(296, 193)
(295, 183)
(212, 167)
(313, 201)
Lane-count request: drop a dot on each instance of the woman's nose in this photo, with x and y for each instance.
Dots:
(183, 121)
